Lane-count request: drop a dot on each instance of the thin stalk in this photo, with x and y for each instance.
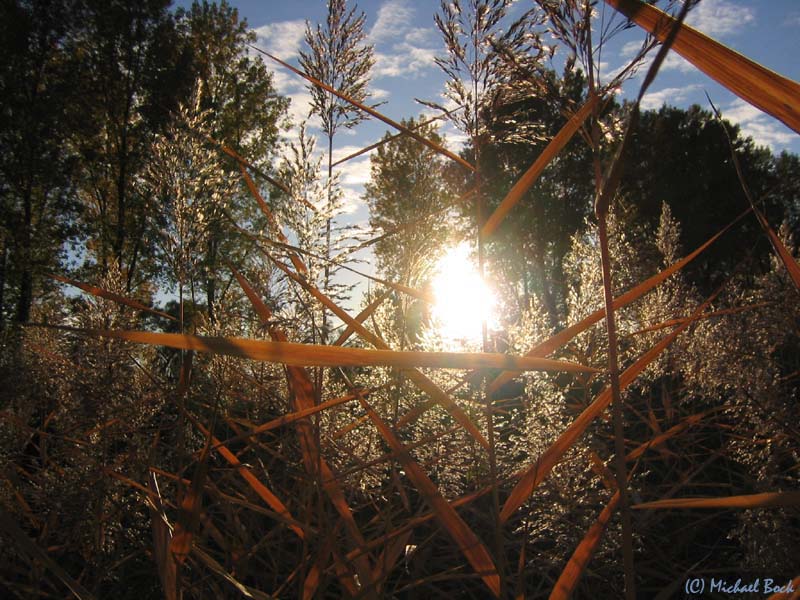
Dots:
(611, 328)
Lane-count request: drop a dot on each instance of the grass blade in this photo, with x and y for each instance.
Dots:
(772, 93)
(570, 576)
(316, 355)
(101, 293)
(558, 340)
(540, 469)
(765, 500)
(23, 542)
(472, 548)
(532, 174)
(371, 111)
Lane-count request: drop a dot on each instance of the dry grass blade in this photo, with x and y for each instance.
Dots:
(262, 310)
(296, 261)
(785, 256)
(788, 260)
(570, 576)
(245, 163)
(467, 541)
(316, 355)
(259, 488)
(764, 89)
(212, 564)
(101, 293)
(167, 569)
(532, 174)
(294, 253)
(304, 402)
(360, 318)
(717, 313)
(558, 340)
(540, 469)
(389, 557)
(418, 378)
(669, 433)
(371, 111)
(294, 416)
(24, 543)
(390, 138)
(189, 515)
(765, 500)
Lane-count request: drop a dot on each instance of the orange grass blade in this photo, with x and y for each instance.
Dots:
(532, 174)
(717, 313)
(245, 163)
(101, 293)
(259, 488)
(294, 416)
(189, 516)
(418, 378)
(540, 469)
(785, 256)
(772, 93)
(765, 500)
(472, 548)
(361, 317)
(167, 570)
(386, 140)
(669, 433)
(570, 576)
(316, 355)
(371, 111)
(555, 342)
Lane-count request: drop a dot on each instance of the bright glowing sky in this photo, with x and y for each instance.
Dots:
(406, 41)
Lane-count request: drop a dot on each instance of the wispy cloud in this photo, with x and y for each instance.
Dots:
(672, 95)
(407, 60)
(282, 39)
(720, 17)
(792, 20)
(762, 128)
(401, 50)
(393, 16)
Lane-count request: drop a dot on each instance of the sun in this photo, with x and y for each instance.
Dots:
(462, 300)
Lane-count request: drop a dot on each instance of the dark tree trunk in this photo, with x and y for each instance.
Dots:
(26, 278)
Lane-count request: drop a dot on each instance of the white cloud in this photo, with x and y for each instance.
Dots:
(792, 20)
(672, 96)
(354, 172)
(401, 50)
(299, 108)
(406, 60)
(283, 40)
(393, 17)
(378, 93)
(764, 129)
(720, 17)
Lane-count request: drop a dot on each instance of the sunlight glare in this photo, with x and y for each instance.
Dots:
(462, 299)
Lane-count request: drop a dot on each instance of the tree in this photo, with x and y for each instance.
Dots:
(339, 57)
(682, 157)
(36, 162)
(407, 186)
(244, 112)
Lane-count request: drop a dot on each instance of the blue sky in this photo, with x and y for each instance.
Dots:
(406, 41)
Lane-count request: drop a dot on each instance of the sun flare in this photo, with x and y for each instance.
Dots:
(462, 299)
